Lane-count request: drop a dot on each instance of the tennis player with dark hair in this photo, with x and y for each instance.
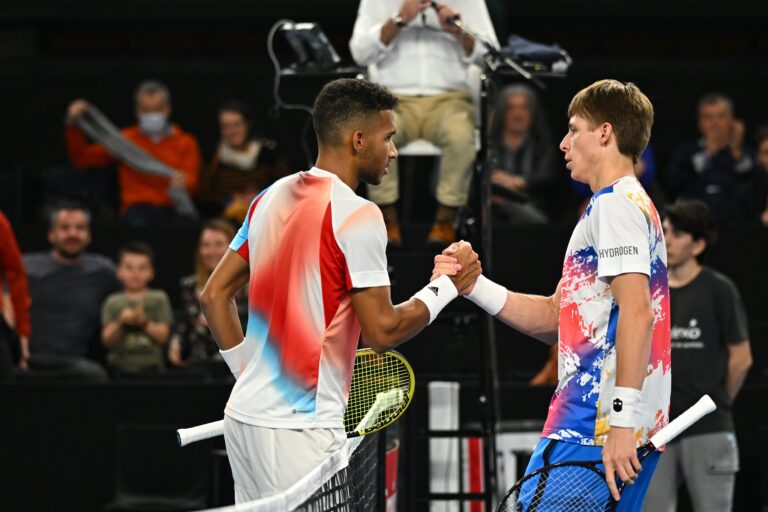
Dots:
(711, 350)
(313, 255)
(610, 311)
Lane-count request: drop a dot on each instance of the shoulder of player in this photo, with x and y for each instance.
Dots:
(624, 193)
(345, 200)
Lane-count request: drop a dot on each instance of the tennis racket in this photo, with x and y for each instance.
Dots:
(382, 389)
(580, 486)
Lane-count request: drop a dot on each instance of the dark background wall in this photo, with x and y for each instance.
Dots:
(209, 51)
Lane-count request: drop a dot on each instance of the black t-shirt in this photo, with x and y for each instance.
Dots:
(707, 316)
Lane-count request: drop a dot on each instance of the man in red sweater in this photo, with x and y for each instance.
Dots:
(144, 198)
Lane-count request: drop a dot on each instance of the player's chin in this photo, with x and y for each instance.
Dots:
(372, 179)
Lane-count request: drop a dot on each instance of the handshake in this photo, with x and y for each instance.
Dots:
(461, 264)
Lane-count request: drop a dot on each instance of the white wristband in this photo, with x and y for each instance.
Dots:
(623, 407)
(488, 295)
(436, 295)
(238, 357)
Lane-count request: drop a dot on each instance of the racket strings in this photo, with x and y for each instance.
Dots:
(380, 385)
(567, 488)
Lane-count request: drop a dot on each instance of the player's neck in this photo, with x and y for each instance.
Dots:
(611, 170)
(334, 162)
(683, 274)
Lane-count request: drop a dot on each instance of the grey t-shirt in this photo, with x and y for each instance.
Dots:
(707, 316)
(66, 302)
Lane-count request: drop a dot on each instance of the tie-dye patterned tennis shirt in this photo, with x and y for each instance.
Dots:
(620, 232)
(309, 240)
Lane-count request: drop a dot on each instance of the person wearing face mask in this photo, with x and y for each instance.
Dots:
(192, 344)
(242, 166)
(144, 198)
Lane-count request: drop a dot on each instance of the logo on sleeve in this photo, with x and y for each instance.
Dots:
(622, 250)
(618, 405)
(433, 289)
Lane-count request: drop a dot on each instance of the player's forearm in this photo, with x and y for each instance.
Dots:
(633, 346)
(738, 366)
(533, 315)
(221, 313)
(404, 322)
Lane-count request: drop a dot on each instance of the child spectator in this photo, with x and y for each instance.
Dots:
(137, 321)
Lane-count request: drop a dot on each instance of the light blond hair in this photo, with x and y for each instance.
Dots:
(624, 106)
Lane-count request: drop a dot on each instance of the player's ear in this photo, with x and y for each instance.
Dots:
(357, 140)
(606, 130)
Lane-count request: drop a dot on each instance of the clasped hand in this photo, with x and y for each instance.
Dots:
(459, 262)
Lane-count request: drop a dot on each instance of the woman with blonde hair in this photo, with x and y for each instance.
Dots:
(192, 342)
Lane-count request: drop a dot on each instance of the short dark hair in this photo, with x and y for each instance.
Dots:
(345, 101)
(136, 248)
(67, 204)
(715, 97)
(693, 217)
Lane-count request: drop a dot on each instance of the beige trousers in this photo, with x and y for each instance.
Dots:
(448, 121)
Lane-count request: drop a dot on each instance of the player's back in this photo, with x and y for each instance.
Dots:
(297, 239)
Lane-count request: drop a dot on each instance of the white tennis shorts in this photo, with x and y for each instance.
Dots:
(267, 461)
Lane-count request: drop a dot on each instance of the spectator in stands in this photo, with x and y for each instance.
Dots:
(718, 168)
(423, 58)
(762, 164)
(523, 158)
(242, 166)
(67, 286)
(192, 342)
(14, 332)
(144, 198)
(711, 354)
(137, 321)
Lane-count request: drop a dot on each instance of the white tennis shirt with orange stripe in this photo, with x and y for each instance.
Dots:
(309, 240)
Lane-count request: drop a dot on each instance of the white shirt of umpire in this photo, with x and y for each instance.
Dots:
(422, 59)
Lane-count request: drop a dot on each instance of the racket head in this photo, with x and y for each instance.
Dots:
(381, 390)
(564, 486)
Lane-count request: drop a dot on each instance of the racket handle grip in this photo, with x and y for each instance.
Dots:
(185, 436)
(704, 406)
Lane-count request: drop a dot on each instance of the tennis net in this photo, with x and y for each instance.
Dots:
(348, 481)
